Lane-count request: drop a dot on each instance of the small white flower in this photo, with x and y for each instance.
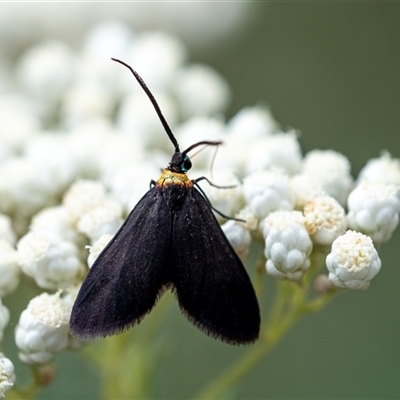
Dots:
(46, 69)
(23, 189)
(252, 122)
(97, 247)
(137, 116)
(104, 218)
(212, 91)
(51, 261)
(374, 209)
(384, 169)
(246, 128)
(86, 101)
(287, 244)
(238, 236)
(54, 160)
(148, 52)
(332, 170)
(305, 188)
(43, 328)
(87, 143)
(353, 261)
(279, 151)
(19, 121)
(82, 197)
(6, 231)
(105, 39)
(56, 220)
(325, 219)
(128, 184)
(267, 191)
(9, 269)
(7, 375)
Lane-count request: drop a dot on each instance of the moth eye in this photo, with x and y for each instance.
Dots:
(187, 164)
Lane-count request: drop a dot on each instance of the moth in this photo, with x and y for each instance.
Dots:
(170, 240)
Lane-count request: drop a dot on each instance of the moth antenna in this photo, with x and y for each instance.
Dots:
(154, 102)
(203, 142)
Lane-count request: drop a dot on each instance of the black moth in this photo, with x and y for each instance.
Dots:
(171, 239)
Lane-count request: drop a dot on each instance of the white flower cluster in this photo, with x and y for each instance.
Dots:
(79, 145)
(43, 327)
(87, 142)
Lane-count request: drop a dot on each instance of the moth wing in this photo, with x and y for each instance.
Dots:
(126, 279)
(212, 286)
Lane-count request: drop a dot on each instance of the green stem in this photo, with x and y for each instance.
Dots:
(287, 310)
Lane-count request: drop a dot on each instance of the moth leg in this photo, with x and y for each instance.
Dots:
(208, 201)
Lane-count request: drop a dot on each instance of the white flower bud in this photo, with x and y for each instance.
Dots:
(322, 284)
(46, 70)
(51, 261)
(23, 190)
(148, 52)
(43, 328)
(332, 170)
(19, 121)
(212, 91)
(7, 375)
(305, 188)
(97, 248)
(82, 197)
(279, 151)
(104, 218)
(136, 115)
(385, 169)
(128, 183)
(9, 269)
(6, 231)
(353, 261)
(252, 122)
(267, 191)
(374, 210)
(54, 160)
(86, 101)
(244, 130)
(325, 219)
(56, 220)
(107, 38)
(287, 244)
(238, 236)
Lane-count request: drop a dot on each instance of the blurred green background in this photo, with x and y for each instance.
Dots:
(331, 71)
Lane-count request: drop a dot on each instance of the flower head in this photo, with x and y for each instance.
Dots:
(374, 209)
(384, 169)
(50, 260)
(332, 170)
(267, 191)
(43, 327)
(353, 261)
(287, 244)
(325, 219)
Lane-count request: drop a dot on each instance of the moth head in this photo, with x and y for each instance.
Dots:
(180, 162)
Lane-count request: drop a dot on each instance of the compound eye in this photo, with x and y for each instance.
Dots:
(187, 164)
